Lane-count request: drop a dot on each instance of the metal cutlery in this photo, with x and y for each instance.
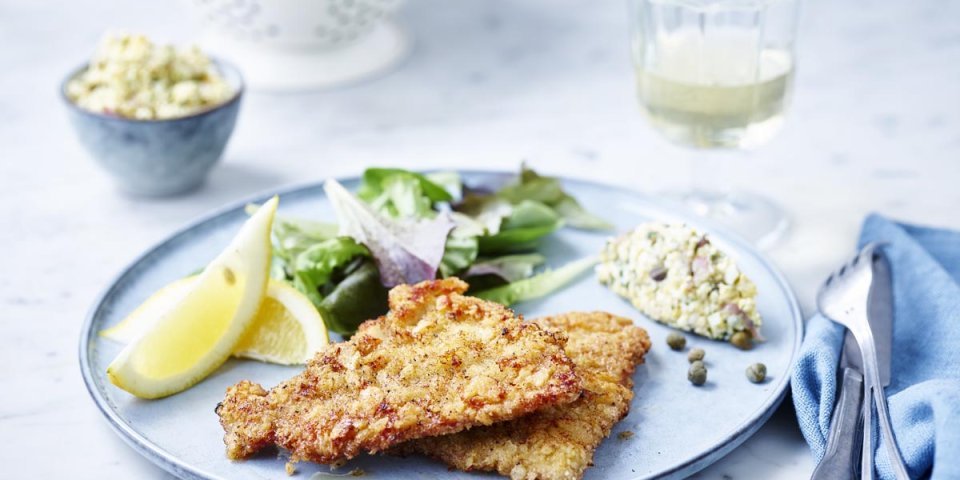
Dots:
(846, 298)
(841, 456)
(842, 453)
(880, 315)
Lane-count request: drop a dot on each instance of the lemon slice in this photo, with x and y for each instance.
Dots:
(287, 329)
(196, 336)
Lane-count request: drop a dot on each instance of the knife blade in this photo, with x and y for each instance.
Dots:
(880, 316)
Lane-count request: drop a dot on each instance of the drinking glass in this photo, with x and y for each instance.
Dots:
(717, 74)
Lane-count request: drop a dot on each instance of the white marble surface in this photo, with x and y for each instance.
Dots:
(875, 127)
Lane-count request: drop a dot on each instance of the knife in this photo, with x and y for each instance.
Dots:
(880, 318)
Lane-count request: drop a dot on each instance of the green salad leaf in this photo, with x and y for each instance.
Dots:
(522, 229)
(509, 268)
(486, 211)
(539, 285)
(459, 253)
(291, 236)
(314, 267)
(450, 181)
(358, 297)
(295, 235)
(374, 177)
(530, 185)
(403, 197)
(401, 193)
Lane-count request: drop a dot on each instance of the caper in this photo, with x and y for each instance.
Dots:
(697, 373)
(757, 372)
(676, 341)
(742, 340)
(696, 354)
(658, 274)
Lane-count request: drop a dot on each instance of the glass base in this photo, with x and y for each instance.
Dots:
(277, 69)
(755, 218)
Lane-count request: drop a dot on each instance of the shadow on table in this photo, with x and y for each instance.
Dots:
(232, 181)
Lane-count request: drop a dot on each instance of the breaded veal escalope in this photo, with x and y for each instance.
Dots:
(556, 443)
(437, 363)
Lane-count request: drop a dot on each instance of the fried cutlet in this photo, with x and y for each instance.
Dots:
(437, 363)
(556, 442)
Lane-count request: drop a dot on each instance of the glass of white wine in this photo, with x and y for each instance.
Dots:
(717, 74)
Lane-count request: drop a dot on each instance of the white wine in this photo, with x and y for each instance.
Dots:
(716, 90)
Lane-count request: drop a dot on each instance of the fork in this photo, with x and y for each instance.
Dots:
(843, 298)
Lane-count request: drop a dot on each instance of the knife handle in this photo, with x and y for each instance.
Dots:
(843, 446)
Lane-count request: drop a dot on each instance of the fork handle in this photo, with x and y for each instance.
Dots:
(896, 461)
(874, 397)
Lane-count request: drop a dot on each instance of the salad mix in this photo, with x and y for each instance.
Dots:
(406, 227)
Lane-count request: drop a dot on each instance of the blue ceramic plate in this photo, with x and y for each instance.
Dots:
(678, 428)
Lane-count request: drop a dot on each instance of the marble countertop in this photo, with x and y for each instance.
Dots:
(874, 126)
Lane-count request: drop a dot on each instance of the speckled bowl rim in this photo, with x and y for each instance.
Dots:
(177, 467)
(222, 65)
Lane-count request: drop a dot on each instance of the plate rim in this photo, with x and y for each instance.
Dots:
(169, 462)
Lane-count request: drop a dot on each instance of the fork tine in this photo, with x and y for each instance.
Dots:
(859, 256)
(871, 250)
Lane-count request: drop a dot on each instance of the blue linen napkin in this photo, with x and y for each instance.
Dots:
(924, 391)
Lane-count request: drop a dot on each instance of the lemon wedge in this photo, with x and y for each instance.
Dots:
(150, 312)
(197, 335)
(287, 330)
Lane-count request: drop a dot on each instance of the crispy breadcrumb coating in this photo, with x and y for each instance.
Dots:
(437, 363)
(556, 442)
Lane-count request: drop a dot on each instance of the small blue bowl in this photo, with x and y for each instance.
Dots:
(158, 157)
